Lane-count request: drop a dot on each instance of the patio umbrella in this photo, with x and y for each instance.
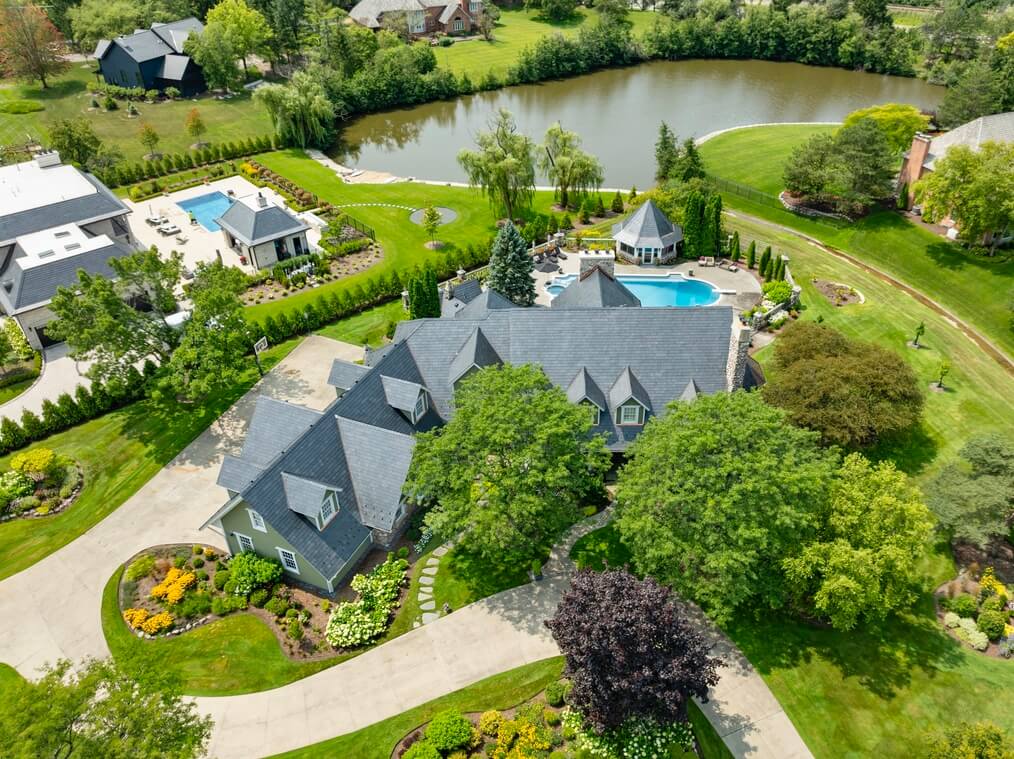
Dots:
(546, 267)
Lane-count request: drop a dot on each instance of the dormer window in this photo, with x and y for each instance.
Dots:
(421, 407)
(328, 510)
(595, 413)
(630, 413)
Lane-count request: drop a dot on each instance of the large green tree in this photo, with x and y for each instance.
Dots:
(512, 468)
(95, 20)
(213, 51)
(30, 46)
(510, 267)
(665, 152)
(75, 140)
(102, 319)
(246, 28)
(810, 167)
(716, 494)
(862, 565)
(979, 740)
(852, 392)
(101, 710)
(973, 187)
(216, 338)
(300, 111)
(569, 168)
(504, 165)
(898, 121)
(973, 498)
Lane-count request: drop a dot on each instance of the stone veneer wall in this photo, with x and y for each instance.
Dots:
(739, 351)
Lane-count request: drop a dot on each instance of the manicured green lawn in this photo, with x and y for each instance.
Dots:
(367, 328)
(119, 452)
(712, 746)
(516, 30)
(15, 389)
(600, 549)
(976, 288)
(404, 243)
(227, 120)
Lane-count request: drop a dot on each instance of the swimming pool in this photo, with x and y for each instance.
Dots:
(656, 292)
(207, 208)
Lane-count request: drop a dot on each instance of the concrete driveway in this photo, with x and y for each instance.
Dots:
(51, 610)
(60, 374)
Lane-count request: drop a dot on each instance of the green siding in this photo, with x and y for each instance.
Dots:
(267, 544)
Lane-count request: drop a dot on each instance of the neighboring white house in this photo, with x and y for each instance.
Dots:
(263, 232)
(54, 220)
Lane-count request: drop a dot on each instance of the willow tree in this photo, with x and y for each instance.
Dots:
(503, 167)
(300, 111)
(569, 168)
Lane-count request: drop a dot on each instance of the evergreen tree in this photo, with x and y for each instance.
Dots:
(432, 297)
(666, 153)
(414, 298)
(600, 209)
(765, 259)
(11, 435)
(85, 402)
(711, 242)
(510, 267)
(632, 195)
(780, 270)
(585, 211)
(32, 425)
(566, 222)
(693, 225)
(735, 252)
(751, 255)
(617, 204)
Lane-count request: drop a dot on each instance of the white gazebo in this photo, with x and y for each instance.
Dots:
(647, 237)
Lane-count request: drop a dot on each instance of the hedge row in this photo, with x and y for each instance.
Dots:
(68, 411)
(129, 173)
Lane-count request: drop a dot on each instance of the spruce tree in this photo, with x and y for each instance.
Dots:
(666, 153)
(765, 259)
(632, 195)
(751, 255)
(711, 226)
(617, 204)
(600, 209)
(585, 211)
(693, 218)
(735, 252)
(779, 273)
(510, 267)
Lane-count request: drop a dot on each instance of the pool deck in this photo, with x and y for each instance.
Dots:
(200, 245)
(740, 289)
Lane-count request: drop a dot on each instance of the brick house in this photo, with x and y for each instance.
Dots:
(424, 17)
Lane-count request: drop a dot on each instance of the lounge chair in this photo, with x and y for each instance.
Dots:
(561, 255)
(709, 260)
(702, 261)
(169, 229)
(182, 239)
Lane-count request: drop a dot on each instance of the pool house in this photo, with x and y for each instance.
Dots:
(647, 237)
(261, 232)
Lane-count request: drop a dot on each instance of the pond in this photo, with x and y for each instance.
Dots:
(617, 112)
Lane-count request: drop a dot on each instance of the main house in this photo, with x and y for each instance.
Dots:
(263, 232)
(153, 58)
(54, 221)
(316, 490)
(422, 16)
(926, 150)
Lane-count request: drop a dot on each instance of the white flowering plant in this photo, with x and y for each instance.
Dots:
(637, 738)
(356, 623)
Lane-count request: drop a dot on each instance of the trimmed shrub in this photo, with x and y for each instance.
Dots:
(963, 605)
(198, 562)
(556, 692)
(221, 578)
(194, 605)
(295, 629)
(140, 567)
(449, 730)
(259, 597)
(777, 292)
(991, 624)
(551, 717)
(489, 722)
(277, 606)
(251, 571)
(421, 750)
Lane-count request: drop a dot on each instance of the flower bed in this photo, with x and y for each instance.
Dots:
(540, 727)
(976, 610)
(39, 484)
(266, 286)
(839, 295)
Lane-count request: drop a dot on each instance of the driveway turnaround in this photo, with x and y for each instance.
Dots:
(52, 610)
(60, 374)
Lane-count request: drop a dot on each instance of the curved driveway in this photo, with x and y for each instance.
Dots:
(52, 610)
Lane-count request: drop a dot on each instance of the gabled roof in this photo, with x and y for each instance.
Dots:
(450, 9)
(274, 427)
(368, 12)
(237, 474)
(998, 127)
(477, 307)
(146, 44)
(344, 374)
(647, 227)
(379, 460)
(305, 496)
(467, 291)
(101, 48)
(583, 387)
(691, 392)
(175, 33)
(626, 387)
(174, 67)
(475, 352)
(595, 288)
(253, 223)
(401, 394)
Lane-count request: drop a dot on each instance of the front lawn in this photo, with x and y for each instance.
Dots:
(118, 453)
(516, 30)
(67, 97)
(978, 289)
(367, 328)
(600, 549)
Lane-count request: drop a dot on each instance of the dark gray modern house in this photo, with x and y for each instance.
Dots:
(316, 490)
(153, 58)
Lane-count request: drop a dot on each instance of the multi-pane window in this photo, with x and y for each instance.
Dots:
(630, 413)
(245, 542)
(288, 560)
(257, 521)
(328, 509)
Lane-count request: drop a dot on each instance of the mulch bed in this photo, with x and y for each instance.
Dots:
(953, 588)
(838, 294)
(43, 493)
(346, 266)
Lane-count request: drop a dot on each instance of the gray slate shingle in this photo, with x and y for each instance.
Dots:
(595, 289)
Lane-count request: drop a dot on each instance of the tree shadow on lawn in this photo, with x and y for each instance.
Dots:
(881, 657)
(912, 451)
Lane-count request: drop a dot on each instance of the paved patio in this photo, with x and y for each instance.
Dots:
(200, 244)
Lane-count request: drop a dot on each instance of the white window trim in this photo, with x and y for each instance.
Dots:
(257, 521)
(457, 25)
(281, 558)
(331, 498)
(623, 407)
(416, 413)
(473, 7)
(240, 537)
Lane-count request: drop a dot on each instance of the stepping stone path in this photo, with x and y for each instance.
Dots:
(427, 605)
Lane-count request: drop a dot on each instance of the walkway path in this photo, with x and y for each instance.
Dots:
(52, 609)
(60, 374)
(480, 640)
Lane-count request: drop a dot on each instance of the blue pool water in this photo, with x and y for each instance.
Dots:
(207, 208)
(656, 292)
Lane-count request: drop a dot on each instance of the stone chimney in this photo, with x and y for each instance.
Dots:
(602, 259)
(912, 169)
(739, 350)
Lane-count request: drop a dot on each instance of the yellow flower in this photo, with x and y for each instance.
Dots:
(157, 623)
(175, 584)
(135, 617)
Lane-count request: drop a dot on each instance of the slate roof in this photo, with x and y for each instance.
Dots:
(647, 227)
(305, 496)
(174, 67)
(101, 204)
(400, 393)
(487, 301)
(626, 387)
(344, 374)
(176, 33)
(691, 392)
(998, 127)
(583, 387)
(449, 11)
(595, 288)
(475, 352)
(467, 291)
(26, 286)
(253, 227)
(379, 460)
(155, 42)
(101, 48)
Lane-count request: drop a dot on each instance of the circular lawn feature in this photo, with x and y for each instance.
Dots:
(447, 215)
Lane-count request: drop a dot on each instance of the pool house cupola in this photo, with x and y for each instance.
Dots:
(647, 236)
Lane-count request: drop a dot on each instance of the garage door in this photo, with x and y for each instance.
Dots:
(45, 340)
